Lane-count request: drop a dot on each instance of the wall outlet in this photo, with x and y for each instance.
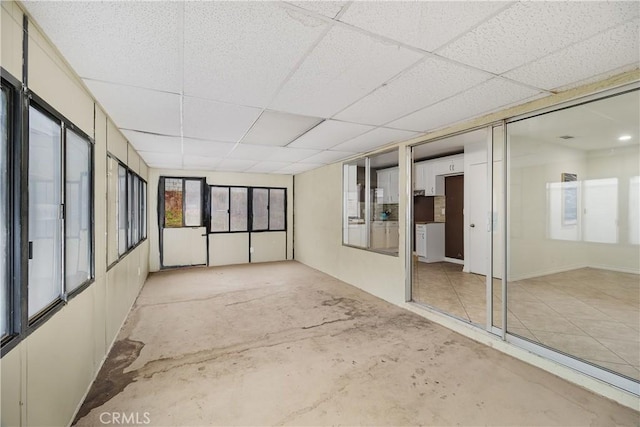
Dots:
(251, 250)
(443, 209)
(138, 271)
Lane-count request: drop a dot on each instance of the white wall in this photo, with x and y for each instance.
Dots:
(266, 246)
(51, 370)
(318, 236)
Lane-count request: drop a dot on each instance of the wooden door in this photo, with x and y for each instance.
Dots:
(454, 222)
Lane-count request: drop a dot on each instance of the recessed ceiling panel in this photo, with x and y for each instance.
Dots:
(345, 66)
(482, 99)
(374, 139)
(423, 24)
(198, 147)
(427, 83)
(267, 167)
(288, 154)
(235, 165)
(139, 109)
(327, 8)
(108, 40)
(201, 162)
(279, 129)
(161, 160)
(329, 133)
(327, 157)
(151, 142)
(530, 30)
(217, 121)
(605, 52)
(241, 52)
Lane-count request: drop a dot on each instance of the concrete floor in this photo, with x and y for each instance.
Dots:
(283, 344)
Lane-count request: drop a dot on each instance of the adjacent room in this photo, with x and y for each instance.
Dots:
(320, 213)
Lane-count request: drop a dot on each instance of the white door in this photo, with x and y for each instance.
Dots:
(477, 254)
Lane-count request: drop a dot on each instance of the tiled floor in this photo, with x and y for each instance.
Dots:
(587, 313)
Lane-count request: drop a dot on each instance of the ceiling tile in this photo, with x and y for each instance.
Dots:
(150, 142)
(241, 52)
(295, 168)
(201, 162)
(139, 109)
(235, 165)
(279, 129)
(115, 33)
(345, 66)
(482, 99)
(199, 147)
(530, 30)
(329, 133)
(427, 83)
(161, 160)
(602, 53)
(217, 121)
(327, 157)
(252, 152)
(423, 24)
(267, 167)
(327, 8)
(374, 139)
(288, 154)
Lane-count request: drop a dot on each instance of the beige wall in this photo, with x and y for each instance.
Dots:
(268, 246)
(51, 370)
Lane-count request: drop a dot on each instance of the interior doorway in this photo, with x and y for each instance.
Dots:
(454, 219)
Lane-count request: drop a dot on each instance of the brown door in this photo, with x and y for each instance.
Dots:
(453, 227)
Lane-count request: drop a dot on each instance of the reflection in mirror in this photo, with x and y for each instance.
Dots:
(573, 253)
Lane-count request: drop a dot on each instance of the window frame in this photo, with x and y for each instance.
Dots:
(249, 211)
(204, 199)
(141, 215)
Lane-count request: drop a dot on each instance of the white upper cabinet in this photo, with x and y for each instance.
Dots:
(388, 185)
(429, 175)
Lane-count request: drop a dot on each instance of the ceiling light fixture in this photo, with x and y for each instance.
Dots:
(624, 138)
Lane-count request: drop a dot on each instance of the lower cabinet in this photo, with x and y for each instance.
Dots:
(430, 242)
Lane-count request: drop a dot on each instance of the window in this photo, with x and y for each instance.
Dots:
(126, 209)
(78, 235)
(182, 202)
(45, 211)
(4, 282)
(60, 227)
(370, 203)
(122, 210)
(230, 209)
(260, 210)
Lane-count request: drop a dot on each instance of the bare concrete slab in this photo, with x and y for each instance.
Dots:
(283, 344)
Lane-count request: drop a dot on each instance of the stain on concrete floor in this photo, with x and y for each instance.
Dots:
(283, 344)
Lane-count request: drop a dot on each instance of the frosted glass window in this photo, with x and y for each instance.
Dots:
(276, 209)
(260, 209)
(238, 211)
(219, 208)
(600, 216)
(45, 231)
(144, 209)
(112, 210)
(122, 210)
(77, 211)
(193, 203)
(135, 210)
(4, 135)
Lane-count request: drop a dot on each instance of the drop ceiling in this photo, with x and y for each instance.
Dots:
(285, 87)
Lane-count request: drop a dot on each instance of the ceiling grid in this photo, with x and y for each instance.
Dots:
(285, 87)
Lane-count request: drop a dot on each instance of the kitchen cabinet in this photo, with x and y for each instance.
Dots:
(429, 175)
(384, 235)
(356, 235)
(388, 186)
(430, 242)
(451, 165)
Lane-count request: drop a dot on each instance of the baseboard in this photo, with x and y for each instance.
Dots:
(534, 274)
(454, 260)
(616, 269)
